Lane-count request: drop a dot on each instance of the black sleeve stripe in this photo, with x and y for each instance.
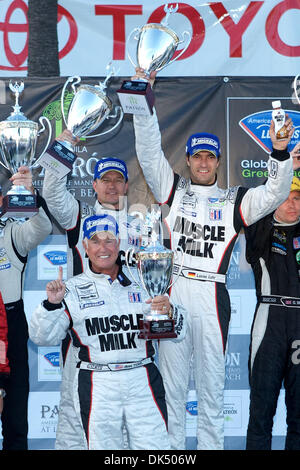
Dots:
(238, 220)
(73, 233)
(170, 199)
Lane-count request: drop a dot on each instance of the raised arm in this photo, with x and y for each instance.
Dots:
(61, 203)
(49, 322)
(264, 199)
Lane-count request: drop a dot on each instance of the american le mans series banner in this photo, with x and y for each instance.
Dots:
(238, 110)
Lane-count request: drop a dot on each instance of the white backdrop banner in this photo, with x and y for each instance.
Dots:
(237, 37)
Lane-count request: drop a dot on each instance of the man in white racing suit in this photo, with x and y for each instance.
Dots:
(110, 185)
(17, 238)
(204, 220)
(116, 379)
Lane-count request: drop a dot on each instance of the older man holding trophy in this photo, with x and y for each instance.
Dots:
(24, 224)
(116, 382)
(88, 111)
(207, 242)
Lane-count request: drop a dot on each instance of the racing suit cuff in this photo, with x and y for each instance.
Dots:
(280, 155)
(49, 306)
(41, 203)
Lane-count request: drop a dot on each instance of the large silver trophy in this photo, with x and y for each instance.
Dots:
(89, 108)
(18, 139)
(155, 269)
(156, 45)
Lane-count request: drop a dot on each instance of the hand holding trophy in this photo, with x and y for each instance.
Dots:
(157, 43)
(155, 270)
(89, 108)
(18, 138)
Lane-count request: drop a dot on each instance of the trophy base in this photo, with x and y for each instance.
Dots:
(58, 158)
(156, 329)
(136, 97)
(20, 206)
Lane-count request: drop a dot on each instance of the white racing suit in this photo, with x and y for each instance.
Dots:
(116, 380)
(204, 221)
(17, 239)
(70, 213)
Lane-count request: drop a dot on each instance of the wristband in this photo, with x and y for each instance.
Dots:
(49, 306)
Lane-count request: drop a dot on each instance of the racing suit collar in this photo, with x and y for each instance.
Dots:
(284, 224)
(98, 208)
(121, 277)
(202, 188)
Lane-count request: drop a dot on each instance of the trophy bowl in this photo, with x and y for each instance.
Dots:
(88, 109)
(154, 264)
(18, 143)
(156, 47)
(157, 43)
(155, 269)
(18, 139)
(83, 111)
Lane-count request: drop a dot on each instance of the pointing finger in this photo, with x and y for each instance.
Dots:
(60, 273)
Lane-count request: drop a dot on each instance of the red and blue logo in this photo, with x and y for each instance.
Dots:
(257, 126)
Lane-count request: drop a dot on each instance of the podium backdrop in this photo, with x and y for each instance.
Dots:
(238, 110)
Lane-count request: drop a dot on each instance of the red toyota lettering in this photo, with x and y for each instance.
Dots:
(196, 21)
(272, 28)
(15, 59)
(118, 13)
(234, 30)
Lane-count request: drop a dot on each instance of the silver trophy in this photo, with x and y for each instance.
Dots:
(89, 108)
(156, 45)
(296, 82)
(155, 269)
(18, 139)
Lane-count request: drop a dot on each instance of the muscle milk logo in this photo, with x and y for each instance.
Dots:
(113, 332)
(257, 126)
(197, 239)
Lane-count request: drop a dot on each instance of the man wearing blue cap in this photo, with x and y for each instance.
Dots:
(110, 185)
(116, 380)
(204, 220)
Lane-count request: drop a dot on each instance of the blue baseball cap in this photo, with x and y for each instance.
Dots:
(203, 141)
(110, 164)
(100, 223)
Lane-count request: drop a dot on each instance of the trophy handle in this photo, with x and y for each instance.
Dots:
(185, 33)
(180, 269)
(127, 253)
(43, 128)
(127, 43)
(69, 80)
(117, 109)
(111, 72)
(295, 88)
(168, 12)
